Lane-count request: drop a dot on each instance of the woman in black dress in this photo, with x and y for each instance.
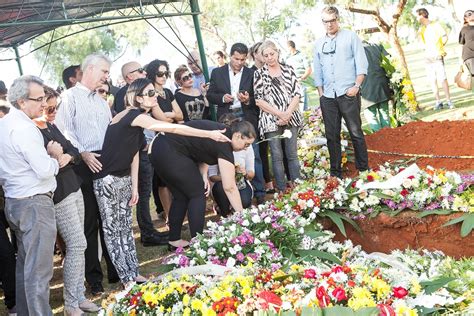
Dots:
(116, 185)
(182, 162)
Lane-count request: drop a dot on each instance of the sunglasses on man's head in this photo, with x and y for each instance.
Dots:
(162, 73)
(102, 91)
(186, 78)
(149, 93)
(468, 14)
(140, 70)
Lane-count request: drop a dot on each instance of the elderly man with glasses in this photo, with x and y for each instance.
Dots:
(340, 66)
(130, 72)
(27, 174)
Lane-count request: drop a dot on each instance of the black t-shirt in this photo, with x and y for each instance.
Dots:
(166, 102)
(119, 100)
(203, 149)
(122, 141)
(67, 180)
(193, 107)
(466, 38)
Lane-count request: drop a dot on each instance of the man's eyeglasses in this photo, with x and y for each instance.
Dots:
(51, 109)
(149, 93)
(330, 21)
(186, 78)
(102, 91)
(40, 99)
(329, 47)
(140, 70)
(162, 73)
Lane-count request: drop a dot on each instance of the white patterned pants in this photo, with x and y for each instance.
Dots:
(113, 195)
(70, 225)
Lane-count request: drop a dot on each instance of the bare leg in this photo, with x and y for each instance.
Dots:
(446, 90)
(434, 88)
(165, 197)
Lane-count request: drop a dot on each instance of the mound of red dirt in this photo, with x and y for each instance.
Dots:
(445, 138)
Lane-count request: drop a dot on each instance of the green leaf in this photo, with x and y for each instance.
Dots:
(381, 195)
(434, 285)
(422, 311)
(353, 223)
(319, 254)
(338, 311)
(312, 232)
(456, 220)
(165, 268)
(288, 313)
(367, 311)
(336, 219)
(393, 213)
(467, 225)
(311, 311)
(434, 212)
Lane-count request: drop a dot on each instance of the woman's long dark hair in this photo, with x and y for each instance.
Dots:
(236, 124)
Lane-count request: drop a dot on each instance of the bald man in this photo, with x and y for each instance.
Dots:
(194, 63)
(130, 72)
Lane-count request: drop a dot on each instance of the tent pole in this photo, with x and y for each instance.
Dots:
(18, 59)
(197, 29)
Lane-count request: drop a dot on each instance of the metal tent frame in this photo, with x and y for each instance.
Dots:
(22, 21)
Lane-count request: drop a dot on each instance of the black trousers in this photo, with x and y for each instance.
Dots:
(93, 226)
(181, 175)
(7, 263)
(333, 110)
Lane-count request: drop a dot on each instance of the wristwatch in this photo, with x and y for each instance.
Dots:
(357, 85)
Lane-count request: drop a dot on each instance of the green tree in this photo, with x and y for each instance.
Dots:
(58, 52)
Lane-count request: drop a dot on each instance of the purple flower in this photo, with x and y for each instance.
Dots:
(240, 257)
(183, 261)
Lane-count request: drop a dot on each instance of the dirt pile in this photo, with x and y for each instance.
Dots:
(445, 138)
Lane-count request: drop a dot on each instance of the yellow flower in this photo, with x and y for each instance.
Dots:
(403, 310)
(187, 311)
(415, 287)
(361, 298)
(197, 304)
(150, 297)
(186, 300)
(216, 294)
(246, 290)
(381, 287)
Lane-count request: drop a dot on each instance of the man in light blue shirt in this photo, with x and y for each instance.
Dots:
(340, 66)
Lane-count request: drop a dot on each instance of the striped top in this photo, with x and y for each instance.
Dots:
(278, 92)
(83, 117)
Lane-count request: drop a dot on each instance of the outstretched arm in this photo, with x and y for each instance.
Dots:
(158, 126)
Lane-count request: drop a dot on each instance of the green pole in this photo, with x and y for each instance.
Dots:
(197, 28)
(18, 60)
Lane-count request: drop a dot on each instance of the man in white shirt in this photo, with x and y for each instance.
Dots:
(27, 174)
(83, 117)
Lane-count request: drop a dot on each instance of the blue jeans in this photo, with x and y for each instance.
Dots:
(223, 202)
(277, 155)
(258, 182)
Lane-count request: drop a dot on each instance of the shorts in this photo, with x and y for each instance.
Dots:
(435, 68)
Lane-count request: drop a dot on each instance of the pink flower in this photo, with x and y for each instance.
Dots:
(386, 310)
(399, 292)
(310, 274)
(322, 296)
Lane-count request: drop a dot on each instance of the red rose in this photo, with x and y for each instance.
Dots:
(351, 283)
(370, 178)
(339, 293)
(386, 310)
(337, 269)
(353, 184)
(399, 292)
(404, 192)
(310, 274)
(411, 177)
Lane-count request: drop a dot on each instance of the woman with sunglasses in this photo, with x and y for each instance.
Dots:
(466, 39)
(182, 162)
(69, 211)
(158, 72)
(192, 101)
(116, 185)
(277, 94)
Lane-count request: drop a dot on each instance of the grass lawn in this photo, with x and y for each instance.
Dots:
(151, 257)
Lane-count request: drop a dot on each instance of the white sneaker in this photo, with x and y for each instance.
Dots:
(450, 105)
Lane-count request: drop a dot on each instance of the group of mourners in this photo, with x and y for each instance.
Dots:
(76, 163)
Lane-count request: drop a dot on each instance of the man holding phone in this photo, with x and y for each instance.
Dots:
(231, 89)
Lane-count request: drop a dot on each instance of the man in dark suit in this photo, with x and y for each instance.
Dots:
(231, 89)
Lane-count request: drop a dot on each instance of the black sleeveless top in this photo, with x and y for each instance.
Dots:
(122, 141)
